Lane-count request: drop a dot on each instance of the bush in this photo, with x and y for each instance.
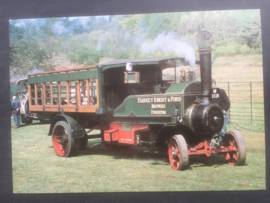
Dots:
(71, 57)
(87, 57)
(220, 51)
(229, 50)
(245, 50)
(121, 55)
(233, 49)
(256, 51)
(236, 48)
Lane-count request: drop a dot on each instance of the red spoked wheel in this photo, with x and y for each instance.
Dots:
(236, 144)
(178, 152)
(63, 143)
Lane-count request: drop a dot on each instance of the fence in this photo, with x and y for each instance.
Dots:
(247, 102)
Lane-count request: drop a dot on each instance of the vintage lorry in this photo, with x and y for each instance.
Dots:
(133, 104)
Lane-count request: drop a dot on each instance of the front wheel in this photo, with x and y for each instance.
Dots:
(63, 143)
(236, 144)
(178, 152)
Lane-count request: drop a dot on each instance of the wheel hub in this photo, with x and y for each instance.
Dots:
(63, 139)
(173, 154)
(216, 120)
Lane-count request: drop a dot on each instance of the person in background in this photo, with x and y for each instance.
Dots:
(223, 100)
(16, 111)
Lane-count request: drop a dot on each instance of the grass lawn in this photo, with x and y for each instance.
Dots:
(37, 169)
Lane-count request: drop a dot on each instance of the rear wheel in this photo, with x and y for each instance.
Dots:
(178, 152)
(63, 143)
(236, 144)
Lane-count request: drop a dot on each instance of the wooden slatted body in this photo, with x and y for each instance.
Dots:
(61, 96)
(78, 107)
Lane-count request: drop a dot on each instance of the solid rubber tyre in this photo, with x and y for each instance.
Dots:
(178, 152)
(234, 139)
(63, 143)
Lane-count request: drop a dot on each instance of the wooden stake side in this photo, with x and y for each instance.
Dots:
(97, 93)
(67, 107)
(78, 93)
(59, 93)
(29, 96)
(88, 92)
(67, 94)
(36, 100)
(43, 95)
(51, 93)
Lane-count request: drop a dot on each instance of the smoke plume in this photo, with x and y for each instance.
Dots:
(14, 78)
(170, 42)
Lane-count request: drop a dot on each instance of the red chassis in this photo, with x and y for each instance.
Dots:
(123, 134)
(203, 148)
(128, 134)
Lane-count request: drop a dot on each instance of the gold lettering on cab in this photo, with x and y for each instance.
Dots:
(159, 100)
(158, 112)
(158, 106)
(145, 100)
(175, 99)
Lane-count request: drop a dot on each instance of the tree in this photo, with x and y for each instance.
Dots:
(249, 29)
(32, 43)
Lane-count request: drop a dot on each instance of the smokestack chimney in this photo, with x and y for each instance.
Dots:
(204, 41)
(206, 73)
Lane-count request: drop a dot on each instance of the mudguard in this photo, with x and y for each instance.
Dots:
(76, 129)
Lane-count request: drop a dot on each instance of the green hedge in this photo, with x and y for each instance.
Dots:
(235, 48)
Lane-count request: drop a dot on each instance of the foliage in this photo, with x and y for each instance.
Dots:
(89, 39)
(229, 50)
(32, 43)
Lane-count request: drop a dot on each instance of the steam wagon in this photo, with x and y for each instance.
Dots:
(133, 104)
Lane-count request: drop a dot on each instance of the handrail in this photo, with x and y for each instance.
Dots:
(61, 71)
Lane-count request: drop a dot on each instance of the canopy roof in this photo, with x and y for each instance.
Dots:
(161, 62)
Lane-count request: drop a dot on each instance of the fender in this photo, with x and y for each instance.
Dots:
(76, 130)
